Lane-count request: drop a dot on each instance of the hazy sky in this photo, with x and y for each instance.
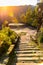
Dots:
(17, 2)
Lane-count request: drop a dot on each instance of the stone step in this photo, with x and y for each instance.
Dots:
(27, 63)
(25, 49)
(30, 55)
(26, 45)
(21, 42)
(28, 48)
(28, 58)
(2, 64)
(32, 51)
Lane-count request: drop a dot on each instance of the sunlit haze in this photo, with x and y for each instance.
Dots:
(17, 2)
(5, 10)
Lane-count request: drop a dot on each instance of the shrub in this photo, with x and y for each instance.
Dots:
(7, 31)
(7, 37)
(4, 43)
(40, 36)
(4, 39)
(14, 37)
(11, 34)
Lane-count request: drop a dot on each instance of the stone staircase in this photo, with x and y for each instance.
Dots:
(26, 53)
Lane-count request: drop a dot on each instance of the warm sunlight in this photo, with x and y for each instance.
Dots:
(41, 64)
(21, 32)
(4, 8)
(4, 11)
(11, 14)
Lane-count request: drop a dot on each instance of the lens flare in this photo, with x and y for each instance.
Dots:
(41, 64)
(3, 11)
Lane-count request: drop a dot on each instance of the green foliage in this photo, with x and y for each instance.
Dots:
(4, 39)
(32, 17)
(35, 23)
(14, 37)
(9, 34)
(41, 29)
(7, 31)
(5, 42)
(40, 36)
(23, 18)
(7, 37)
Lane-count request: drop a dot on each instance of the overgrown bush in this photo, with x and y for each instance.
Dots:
(7, 37)
(7, 31)
(5, 41)
(40, 36)
(11, 34)
(14, 37)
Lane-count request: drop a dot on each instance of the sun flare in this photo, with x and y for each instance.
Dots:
(41, 64)
(4, 11)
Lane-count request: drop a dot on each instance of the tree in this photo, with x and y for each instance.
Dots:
(40, 21)
(23, 18)
(39, 17)
(14, 20)
(5, 23)
(28, 15)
